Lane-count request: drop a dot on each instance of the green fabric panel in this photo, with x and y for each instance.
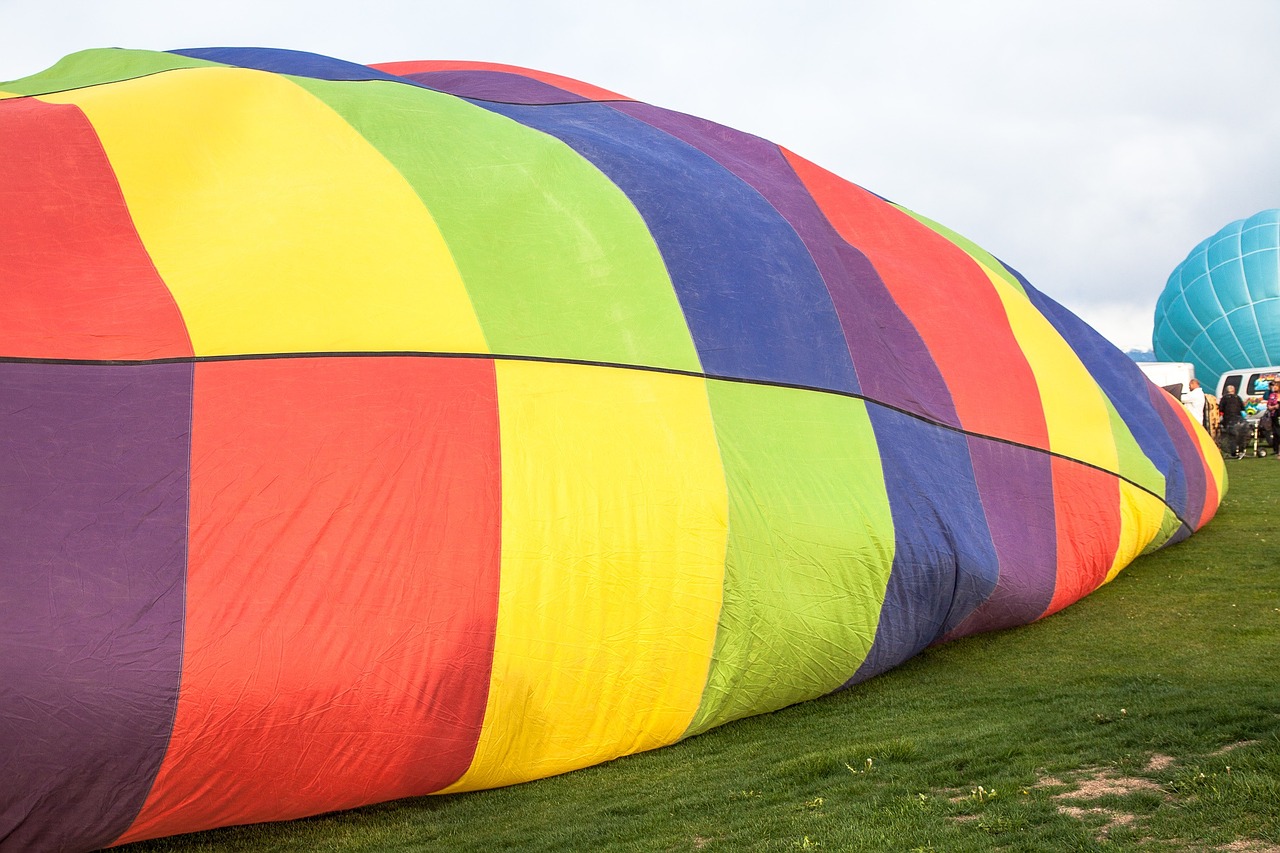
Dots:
(556, 258)
(98, 66)
(973, 249)
(810, 547)
(1168, 526)
(1134, 464)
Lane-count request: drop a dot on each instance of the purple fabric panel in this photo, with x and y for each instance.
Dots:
(891, 361)
(93, 495)
(1016, 484)
(495, 86)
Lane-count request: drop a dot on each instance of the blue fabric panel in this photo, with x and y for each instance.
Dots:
(1170, 337)
(1262, 273)
(1195, 307)
(944, 564)
(752, 296)
(1224, 247)
(1198, 291)
(1268, 314)
(1227, 281)
(1244, 327)
(296, 62)
(1220, 337)
(1261, 231)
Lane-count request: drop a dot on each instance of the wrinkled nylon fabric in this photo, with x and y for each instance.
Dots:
(784, 635)
(110, 302)
(94, 552)
(379, 431)
(331, 652)
(608, 607)
(375, 277)
(480, 175)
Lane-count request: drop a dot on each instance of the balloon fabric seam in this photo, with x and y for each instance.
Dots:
(672, 371)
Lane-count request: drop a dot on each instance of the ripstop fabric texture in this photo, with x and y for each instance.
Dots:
(369, 432)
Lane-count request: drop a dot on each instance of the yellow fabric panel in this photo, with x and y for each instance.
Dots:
(614, 535)
(291, 234)
(1075, 409)
(1142, 517)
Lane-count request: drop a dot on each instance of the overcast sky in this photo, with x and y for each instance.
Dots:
(1090, 144)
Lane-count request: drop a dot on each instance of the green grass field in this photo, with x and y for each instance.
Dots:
(1146, 717)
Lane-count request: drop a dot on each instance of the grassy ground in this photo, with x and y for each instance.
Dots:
(1146, 717)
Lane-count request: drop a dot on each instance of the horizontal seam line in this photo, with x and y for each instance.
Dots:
(673, 371)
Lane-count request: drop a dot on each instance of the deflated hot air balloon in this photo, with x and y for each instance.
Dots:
(1221, 307)
(371, 432)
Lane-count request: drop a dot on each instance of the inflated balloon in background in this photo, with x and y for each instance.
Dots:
(1220, 309)
(375, 432)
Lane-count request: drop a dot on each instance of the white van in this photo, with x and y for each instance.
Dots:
(1251, 383)
(1173, 376)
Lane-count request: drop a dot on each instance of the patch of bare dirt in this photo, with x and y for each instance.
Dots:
(1104, 784)
(1092, 783)
(1232, 746)
(1250, 845)
(1113, 818)
(1089, 784)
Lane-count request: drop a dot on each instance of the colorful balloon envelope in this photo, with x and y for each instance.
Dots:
(379, 431)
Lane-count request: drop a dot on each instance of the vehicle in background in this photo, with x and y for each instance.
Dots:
(1173, 376)
(1251, 384)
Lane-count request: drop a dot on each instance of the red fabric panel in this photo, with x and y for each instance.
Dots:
(949, 300)
(75, 279)
(586, 90)
(1087, 505)
(342, 590)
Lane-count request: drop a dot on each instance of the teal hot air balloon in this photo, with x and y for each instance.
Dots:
(1221, 307)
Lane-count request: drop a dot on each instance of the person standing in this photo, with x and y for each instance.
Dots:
(1232, 409)
(1273, 415)
(1193, 402)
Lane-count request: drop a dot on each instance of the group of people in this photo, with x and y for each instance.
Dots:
(1233, 428)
